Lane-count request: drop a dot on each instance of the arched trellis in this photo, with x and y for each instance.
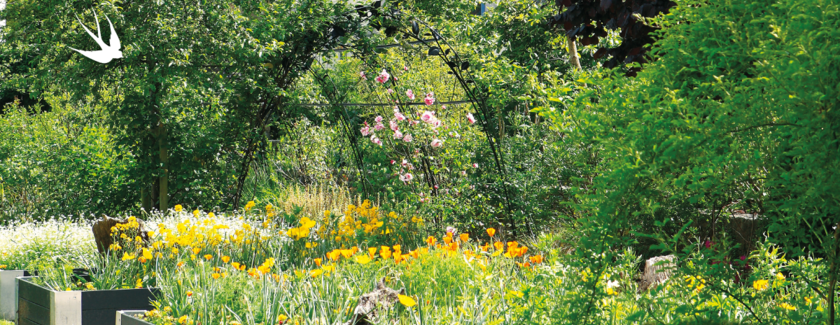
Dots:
(463, 77)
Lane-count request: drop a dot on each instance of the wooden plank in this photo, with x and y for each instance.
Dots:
(33, 293)
(23, 321)
(113, 300)
(98, 316)
(32, 313)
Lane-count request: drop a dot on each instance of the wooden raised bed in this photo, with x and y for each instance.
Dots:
(37, 305)
(8, 293)
(129, 317)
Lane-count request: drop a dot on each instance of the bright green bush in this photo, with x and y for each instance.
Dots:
(62, 162)
(737, 112)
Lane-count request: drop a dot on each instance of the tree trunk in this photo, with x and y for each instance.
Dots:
(146, 198)
(164, 160)
(573, 56)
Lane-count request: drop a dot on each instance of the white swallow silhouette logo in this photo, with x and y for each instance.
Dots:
(108, 52)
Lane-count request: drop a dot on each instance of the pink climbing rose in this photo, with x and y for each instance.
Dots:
(437, 143)
(389, 91)
(394, 126)
(407, 177)
(383, 77)
(408, 138)
(399, 116)
(379, 126)
(430, 98)
(362, 75)
(398, 135)
(471, 118)
(427, 116)
(475, 165)
(365, 130)
(410, 94)
(378, 119)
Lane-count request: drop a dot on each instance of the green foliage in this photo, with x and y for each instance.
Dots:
(63, 162)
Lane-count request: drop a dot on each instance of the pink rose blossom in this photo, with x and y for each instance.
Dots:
(398, 135)
(430, 99)
(393, 161)
(383, 77)
(379, 126)
(389, 91)
(427, 116)
(475, 165)
(405, 68)
(443, 107)
(414, 122)
(375, 140)
(470, 118)
(362, 75)
(410, 94)
(436, 187)
(437, 143)
(436, 124)
(399, 116)
(404, 163)
(365, 130)
(407, 177)
(394, 126)
(408, 138)
(378, 119)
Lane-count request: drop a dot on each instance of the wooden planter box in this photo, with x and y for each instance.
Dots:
(37, 305)
(8, 293)
(128, 317)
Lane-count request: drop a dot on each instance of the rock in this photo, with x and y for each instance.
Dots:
(102, 232)
(657, 270)
(745, 230)
(370, 304)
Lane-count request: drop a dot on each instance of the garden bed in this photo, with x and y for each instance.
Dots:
(8, 292)
(129, 317)
(41, 306)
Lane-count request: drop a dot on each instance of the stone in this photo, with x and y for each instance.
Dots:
(371, 304)
(102, 233)
(657, 270)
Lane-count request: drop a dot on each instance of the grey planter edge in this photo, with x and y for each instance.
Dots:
(65, 306)
(128, 317)
(8, 293)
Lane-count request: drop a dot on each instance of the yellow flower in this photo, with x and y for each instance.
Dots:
(363, 259)
(316, 273)
(178, 208)
(491, 231)
(211, 215)
(127, 256)
(760, 285)
(3, 266)
(464, 237)
(196, 250)
(787, 306)
(407, 301)
(139, 284)
(182, 319)
(317, 261)
(225, 259)
(282, 318)
(208, 257)
(235, 265)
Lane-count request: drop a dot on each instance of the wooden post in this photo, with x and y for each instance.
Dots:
(573, 57)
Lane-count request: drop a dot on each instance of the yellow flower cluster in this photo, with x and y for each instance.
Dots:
(303, 231)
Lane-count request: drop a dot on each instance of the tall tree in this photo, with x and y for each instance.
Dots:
(196, 83)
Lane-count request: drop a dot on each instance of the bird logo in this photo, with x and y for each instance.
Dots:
(108, 52)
